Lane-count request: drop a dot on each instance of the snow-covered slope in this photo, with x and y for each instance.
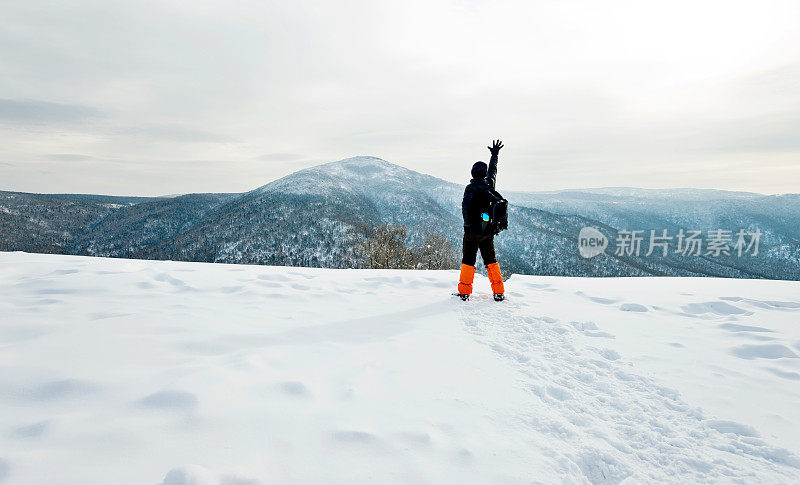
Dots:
(132, 372)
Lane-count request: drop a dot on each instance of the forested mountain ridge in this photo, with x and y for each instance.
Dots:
(311, 217)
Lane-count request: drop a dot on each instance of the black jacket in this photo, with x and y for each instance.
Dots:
(476, 198)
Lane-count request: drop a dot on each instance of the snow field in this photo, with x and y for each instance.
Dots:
(135, 372)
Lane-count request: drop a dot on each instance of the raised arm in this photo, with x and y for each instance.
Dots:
(491, 174)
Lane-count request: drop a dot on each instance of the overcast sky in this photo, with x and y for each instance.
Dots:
(152, 98)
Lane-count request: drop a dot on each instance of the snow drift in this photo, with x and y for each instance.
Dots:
(131, 372)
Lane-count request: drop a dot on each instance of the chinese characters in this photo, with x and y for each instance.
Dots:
(714, 243)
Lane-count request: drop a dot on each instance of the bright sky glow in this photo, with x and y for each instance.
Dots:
(162, 97)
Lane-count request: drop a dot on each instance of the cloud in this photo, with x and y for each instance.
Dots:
(68, 157)
(174, 132)
(280, 157)
(569, 87)
(759, 134)
(32, 111)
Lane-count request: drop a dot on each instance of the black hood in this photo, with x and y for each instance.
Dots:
(479, 170)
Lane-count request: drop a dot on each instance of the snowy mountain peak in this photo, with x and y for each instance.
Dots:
(361, 161)
(365, 167)
(354, 174)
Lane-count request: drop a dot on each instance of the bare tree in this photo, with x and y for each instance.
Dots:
(435, 252)
(385, 246)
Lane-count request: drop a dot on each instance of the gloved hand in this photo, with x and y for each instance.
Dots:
(495, 148)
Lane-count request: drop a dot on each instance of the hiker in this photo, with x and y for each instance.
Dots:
(475, 209)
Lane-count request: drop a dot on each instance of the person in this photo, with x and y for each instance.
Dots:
(474, 208)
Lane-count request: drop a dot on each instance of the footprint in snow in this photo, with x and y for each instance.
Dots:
(232, 289)
(632, 307)
(539, 286)
(609, 354)
(349, 436)
(597, 299)
(65, 271)
(766, 351)
(60, 389)
(590, 330)
(583, 326)
(559, 393)
(303, 275)
(106, 315)
(177, 283)
(273, 277)
(34, 430)
(732, 327)
(295, 388)
(715, 307)
(732, 427)
(774, 305)
(792, 376)
(601, 467)
(169, 399)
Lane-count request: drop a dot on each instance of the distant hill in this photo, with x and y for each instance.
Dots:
(308, 218)
(42, 223)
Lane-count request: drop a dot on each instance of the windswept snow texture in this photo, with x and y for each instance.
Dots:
(159, 372)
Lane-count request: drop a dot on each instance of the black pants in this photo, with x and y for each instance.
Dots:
(473, 242)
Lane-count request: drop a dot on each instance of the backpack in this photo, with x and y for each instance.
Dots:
(495, 219)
